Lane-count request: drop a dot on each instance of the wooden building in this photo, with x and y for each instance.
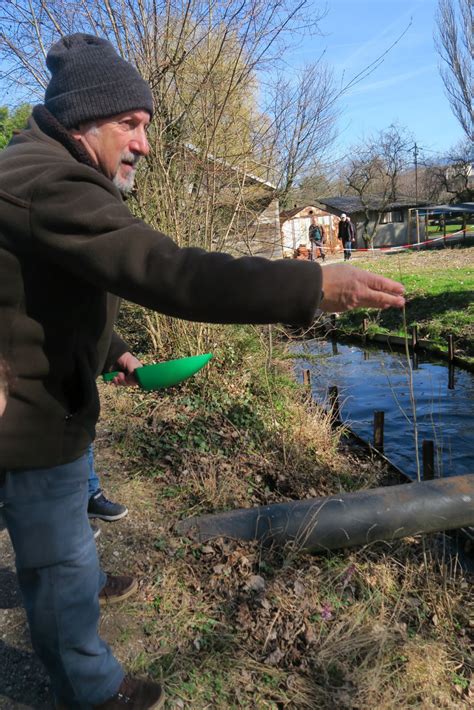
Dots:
(294, 227)
(393, 224)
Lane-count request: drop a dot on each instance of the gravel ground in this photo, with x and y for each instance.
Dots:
(24, 685)
(23, 682)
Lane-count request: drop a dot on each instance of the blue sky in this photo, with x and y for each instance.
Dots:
(406, 88)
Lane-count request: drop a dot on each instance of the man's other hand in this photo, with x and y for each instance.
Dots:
(346, 287)
(127, 364)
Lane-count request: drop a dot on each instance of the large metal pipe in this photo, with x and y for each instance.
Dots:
(348, 519)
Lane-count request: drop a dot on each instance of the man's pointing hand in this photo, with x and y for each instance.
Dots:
(346, 287)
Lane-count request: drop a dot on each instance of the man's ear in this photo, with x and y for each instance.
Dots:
(76, 133)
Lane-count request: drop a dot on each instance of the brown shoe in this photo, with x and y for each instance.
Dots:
(117, 589)
(135, 694)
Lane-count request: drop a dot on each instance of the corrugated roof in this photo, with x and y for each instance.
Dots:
(352, 204)
(289, 214)
(461, 207)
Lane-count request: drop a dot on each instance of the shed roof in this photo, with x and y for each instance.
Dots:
(235, 168)
(351, 204)
(289, 214)
(461, 207)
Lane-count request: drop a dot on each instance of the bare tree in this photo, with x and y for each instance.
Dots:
(312, 187)
(454, 43)
(303, 118)
(374, 171)
(449, 177)
(214, 155)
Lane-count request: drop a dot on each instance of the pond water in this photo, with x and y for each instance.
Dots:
(370, 380)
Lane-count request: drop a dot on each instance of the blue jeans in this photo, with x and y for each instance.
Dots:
(93, 482)
(45, 511)
(347, 249)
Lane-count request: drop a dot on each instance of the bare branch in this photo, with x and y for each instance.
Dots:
(454, 44)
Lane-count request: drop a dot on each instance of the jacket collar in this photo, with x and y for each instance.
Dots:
(49, 125)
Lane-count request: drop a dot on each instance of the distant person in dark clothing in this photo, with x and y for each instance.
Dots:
(346, 234)
(316, 239)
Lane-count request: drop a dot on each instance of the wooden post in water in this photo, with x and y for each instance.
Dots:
(414, 337)
(365, 328)
(334, 404)
(450, 348)
(307, 379)
(450, 376)
(378, 430)
(428, 460)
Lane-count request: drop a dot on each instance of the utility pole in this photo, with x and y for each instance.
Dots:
(415, 160)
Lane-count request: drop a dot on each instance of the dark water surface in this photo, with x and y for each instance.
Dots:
(370, 380)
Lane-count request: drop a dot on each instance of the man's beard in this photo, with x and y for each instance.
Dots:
(126, 184)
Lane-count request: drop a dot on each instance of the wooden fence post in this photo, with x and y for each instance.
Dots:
(428, 460)
(414, 337)
(450, 376)
(334, 404)
(307, 379)
(450, 348)
(378, 430)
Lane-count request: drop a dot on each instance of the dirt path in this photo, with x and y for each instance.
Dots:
(24, 684)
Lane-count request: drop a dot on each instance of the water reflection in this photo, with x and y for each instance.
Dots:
(370, 380)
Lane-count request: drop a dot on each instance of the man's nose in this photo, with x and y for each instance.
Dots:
(139, 143)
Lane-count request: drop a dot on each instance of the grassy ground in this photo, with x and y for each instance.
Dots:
(450, 228)
(440, 297)
(231, 625)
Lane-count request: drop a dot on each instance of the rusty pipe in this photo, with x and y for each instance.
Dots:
(347, 519)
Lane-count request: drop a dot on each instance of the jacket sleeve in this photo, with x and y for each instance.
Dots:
(118, 347)
(79, 221)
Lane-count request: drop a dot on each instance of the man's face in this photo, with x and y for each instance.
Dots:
(116, 144)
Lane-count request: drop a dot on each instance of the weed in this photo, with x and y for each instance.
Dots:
(336, 630)
(439, 288)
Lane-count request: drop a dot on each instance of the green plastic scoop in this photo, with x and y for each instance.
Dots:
(166, 374)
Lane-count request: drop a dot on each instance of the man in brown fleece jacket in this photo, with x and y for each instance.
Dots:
(69, 249)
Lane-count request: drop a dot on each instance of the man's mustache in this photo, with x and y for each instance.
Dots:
(130, 158)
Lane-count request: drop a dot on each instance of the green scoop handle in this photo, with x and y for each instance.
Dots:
(166, 374)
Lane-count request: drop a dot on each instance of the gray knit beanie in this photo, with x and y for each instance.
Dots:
(89, 80)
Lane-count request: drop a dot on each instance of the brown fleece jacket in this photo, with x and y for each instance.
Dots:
(68, 247)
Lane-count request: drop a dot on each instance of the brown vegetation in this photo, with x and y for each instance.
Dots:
(228, 624)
